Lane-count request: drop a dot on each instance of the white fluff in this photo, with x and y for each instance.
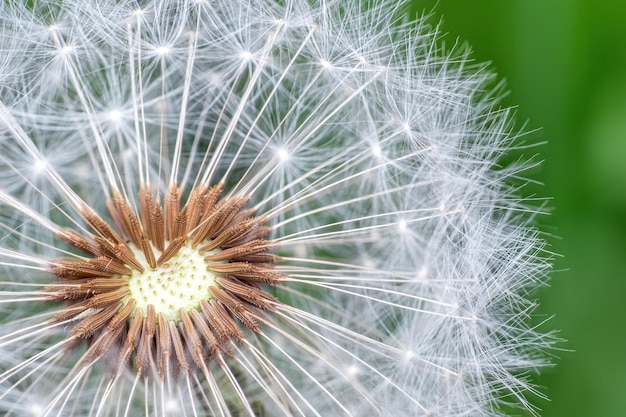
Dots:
(374, 153)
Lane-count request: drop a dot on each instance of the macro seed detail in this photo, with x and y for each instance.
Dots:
(169, 287)
(181, 282)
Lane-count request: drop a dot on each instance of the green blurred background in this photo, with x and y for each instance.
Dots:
(565, 66)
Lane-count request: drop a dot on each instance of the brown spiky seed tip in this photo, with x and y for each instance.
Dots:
(166, 288)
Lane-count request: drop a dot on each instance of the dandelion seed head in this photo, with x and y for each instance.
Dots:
(246, 208)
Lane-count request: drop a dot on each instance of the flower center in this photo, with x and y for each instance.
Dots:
(165, 286)
(180, 283)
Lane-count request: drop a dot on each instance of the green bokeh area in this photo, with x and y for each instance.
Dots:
(565, 66)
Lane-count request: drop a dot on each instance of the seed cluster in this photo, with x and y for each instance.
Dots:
(181, 282)
(168, 287)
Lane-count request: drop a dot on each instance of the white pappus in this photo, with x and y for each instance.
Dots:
(255, 208)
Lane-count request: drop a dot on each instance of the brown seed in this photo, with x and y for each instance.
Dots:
(130, 223)
(194, 345)
(232, 233)
(88, 326)
(146, 248)
(172, 249)
(248, 272)
(252, 295)
(164, 344)
(144, 350)
(179, 350)
(101, 266)
(146, 208)
(237, 252)
(107, 298)
(172, 205)
(205, 331)
(111, 334)
(194, 207)
(79, 290)
(132, 336)
(236, 307)
(74, 239)
(99, 225)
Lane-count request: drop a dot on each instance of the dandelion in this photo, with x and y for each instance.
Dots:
(242, 208)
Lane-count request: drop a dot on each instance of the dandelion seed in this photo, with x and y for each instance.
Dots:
(244, 208)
